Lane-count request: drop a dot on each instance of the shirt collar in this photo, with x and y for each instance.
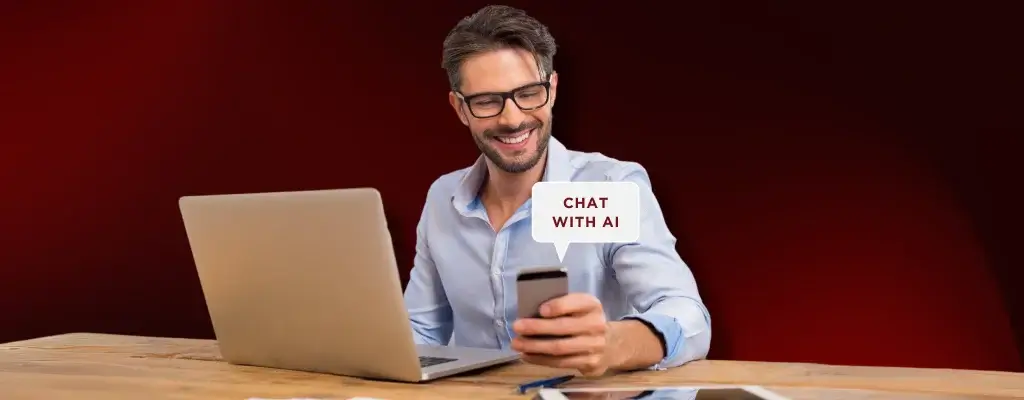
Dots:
(557, 169)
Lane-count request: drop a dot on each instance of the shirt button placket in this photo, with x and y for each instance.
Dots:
(497, 256)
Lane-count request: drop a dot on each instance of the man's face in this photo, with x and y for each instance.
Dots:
(512, 138)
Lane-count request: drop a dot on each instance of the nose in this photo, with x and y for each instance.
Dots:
(511, 115)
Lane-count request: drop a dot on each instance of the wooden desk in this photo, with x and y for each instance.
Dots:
(107, 367)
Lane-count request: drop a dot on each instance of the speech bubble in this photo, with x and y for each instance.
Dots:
(585, 212)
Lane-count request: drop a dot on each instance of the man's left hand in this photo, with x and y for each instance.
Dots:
(579, 322)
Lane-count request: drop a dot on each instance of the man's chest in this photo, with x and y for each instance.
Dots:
(472, 257)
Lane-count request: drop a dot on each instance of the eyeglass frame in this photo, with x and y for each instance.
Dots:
(505, 96)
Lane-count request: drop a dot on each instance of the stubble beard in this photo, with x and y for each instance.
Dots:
(515, 165)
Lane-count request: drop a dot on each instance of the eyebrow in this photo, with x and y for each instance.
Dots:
(502, 91)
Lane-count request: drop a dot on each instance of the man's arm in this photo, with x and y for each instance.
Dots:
(673, 326)
(429, 311)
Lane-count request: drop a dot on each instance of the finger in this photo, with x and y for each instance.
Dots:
(589, 364)
(570, 304)
(564, 326)
(593, 371)
(560, 347)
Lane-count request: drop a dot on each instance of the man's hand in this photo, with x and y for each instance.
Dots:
(578, 319)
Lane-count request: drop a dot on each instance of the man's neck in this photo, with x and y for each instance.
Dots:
(508, 191)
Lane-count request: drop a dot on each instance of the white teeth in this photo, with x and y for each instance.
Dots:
(515, 139)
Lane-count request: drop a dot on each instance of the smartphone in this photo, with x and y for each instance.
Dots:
(535, 286)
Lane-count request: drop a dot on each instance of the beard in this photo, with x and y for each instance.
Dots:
(523, 160)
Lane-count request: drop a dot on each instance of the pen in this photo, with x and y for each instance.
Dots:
(545, 383)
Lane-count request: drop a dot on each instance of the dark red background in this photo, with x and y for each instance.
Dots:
(842, 179)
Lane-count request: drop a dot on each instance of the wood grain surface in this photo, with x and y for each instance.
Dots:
(106, 367)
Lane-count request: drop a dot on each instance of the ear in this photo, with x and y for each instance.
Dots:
(456, 103)
(554, 88)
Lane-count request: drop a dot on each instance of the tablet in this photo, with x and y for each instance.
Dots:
(662, 393)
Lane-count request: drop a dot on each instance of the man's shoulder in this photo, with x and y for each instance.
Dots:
(443, 188)
(599, 167)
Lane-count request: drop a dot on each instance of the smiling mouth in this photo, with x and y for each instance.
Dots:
(515, 139)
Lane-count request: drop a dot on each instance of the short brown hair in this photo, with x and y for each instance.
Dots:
(496, 27)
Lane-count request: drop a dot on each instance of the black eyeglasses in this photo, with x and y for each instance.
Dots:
(490, 104)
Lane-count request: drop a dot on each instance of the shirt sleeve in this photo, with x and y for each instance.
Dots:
(658, 283)
(429, 311)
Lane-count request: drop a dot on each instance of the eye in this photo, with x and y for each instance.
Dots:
(529, 93)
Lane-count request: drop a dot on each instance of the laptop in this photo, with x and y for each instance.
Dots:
(308, 281)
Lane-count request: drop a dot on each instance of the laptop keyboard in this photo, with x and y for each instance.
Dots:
(431, 361)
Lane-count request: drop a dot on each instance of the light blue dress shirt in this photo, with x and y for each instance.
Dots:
(462, 285)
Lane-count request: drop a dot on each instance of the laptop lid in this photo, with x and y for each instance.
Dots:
(302, 280)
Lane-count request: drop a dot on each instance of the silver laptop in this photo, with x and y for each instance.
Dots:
(308, 281)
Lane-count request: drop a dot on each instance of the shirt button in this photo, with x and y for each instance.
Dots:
(499, 323)
(496, 273)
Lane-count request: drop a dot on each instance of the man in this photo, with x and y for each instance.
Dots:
(632, 306)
